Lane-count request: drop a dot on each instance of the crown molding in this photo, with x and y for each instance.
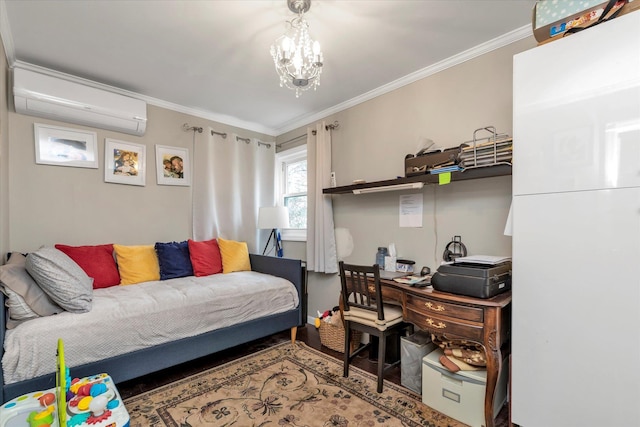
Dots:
(5, 33)
(481, 49)
(208, 115)
(203, 114)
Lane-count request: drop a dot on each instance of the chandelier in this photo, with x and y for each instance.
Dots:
(297, 57)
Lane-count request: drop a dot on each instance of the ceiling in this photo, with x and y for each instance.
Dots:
(211, 58)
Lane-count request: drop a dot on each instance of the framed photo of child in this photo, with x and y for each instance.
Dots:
(172, 165)
(124, 162)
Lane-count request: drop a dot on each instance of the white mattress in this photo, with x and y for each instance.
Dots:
(128, 318)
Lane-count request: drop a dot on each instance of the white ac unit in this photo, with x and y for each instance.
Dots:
(41, 95)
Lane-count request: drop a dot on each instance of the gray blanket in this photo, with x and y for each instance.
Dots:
(128, 318)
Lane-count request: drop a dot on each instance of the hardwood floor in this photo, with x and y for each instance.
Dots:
(309, 335)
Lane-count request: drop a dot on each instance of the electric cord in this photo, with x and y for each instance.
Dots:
(435, 227)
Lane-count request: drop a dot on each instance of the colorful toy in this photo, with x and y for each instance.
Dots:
(330, 316)
(88, 402)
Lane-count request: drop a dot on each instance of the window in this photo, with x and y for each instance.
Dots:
(291, 190)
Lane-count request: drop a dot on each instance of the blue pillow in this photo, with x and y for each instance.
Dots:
(174, 260)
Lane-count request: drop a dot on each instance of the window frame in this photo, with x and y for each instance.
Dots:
(283, 158)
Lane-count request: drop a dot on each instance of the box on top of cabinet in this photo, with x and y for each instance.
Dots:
(552, 20)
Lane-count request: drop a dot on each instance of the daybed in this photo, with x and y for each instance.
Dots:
(286, 312)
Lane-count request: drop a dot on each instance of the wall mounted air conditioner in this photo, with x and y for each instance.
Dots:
(41, 95)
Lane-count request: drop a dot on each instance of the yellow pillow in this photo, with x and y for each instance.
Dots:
(137, 264)
(235, 256)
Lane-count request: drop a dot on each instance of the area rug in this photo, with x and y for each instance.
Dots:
(285, 385)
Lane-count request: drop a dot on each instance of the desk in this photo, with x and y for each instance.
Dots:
(486, 321)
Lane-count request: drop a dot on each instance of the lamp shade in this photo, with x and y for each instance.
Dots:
(273, 217)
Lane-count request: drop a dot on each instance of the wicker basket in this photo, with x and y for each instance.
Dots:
(332, 336)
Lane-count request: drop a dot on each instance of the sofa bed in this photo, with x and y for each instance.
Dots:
(132, 310)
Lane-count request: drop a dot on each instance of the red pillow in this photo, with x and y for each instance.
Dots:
(205, 257)
(96, 261)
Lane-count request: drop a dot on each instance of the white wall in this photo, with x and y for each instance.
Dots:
(4, 154)
(49, 204)
(53, 204)
(371, 143)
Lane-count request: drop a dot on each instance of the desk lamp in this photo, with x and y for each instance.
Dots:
(273, 217)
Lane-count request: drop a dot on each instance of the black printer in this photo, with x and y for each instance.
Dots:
(474, 279)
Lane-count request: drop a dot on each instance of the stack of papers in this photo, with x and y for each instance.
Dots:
(487, 153)
(482, 259)
(414, 280)
(442, 169)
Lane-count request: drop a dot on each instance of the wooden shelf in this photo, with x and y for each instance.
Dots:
(486, 172)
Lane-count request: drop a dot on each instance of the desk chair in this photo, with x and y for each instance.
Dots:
(363, 311)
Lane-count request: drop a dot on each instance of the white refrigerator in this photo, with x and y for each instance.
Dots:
(576, 230)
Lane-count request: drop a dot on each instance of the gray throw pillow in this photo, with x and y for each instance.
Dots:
(61, 278)
(22, 291)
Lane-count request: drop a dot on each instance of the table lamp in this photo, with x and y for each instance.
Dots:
(273, 217)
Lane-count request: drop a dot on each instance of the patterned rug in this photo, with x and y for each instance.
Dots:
(284, 385)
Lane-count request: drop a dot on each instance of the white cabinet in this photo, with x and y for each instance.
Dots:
(577, 111)
(576, 230)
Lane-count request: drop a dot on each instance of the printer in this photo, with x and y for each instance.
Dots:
(479, 276)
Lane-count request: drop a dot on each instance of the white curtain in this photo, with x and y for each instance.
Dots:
(321, 241)
(232, 179)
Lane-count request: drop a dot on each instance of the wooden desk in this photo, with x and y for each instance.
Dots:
(486, 321)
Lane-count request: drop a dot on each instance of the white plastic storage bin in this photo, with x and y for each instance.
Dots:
(460, 395)
(412, 350)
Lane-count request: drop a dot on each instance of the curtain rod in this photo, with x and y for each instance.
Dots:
(239, 138)
(304, 135)
(331, 126)
(187, 128)
(222, 134)
(266, 144)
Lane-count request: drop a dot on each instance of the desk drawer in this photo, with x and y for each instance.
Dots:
(446, 325)
(389, 295)
(430, 307)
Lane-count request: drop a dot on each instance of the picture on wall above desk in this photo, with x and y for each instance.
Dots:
(124, 162)
(60, 146)
(173, 166)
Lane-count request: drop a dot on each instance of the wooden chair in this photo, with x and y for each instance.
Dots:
(363, 311)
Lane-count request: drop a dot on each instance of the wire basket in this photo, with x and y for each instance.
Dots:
(332, 336)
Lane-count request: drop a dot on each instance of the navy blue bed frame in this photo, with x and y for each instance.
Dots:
(145, 361)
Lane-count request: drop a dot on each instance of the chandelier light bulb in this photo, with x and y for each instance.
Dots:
(297, 57)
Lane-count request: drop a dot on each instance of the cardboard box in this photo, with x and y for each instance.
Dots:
(460, 395)
(583, 15)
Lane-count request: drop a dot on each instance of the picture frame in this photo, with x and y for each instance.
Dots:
(173, 166)
(124, 162)
(61, 146)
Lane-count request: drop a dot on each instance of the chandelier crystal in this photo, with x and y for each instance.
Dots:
(298, 59)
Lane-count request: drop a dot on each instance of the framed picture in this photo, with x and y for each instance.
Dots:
(172, 165)
(65, 147)
(124, 162)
